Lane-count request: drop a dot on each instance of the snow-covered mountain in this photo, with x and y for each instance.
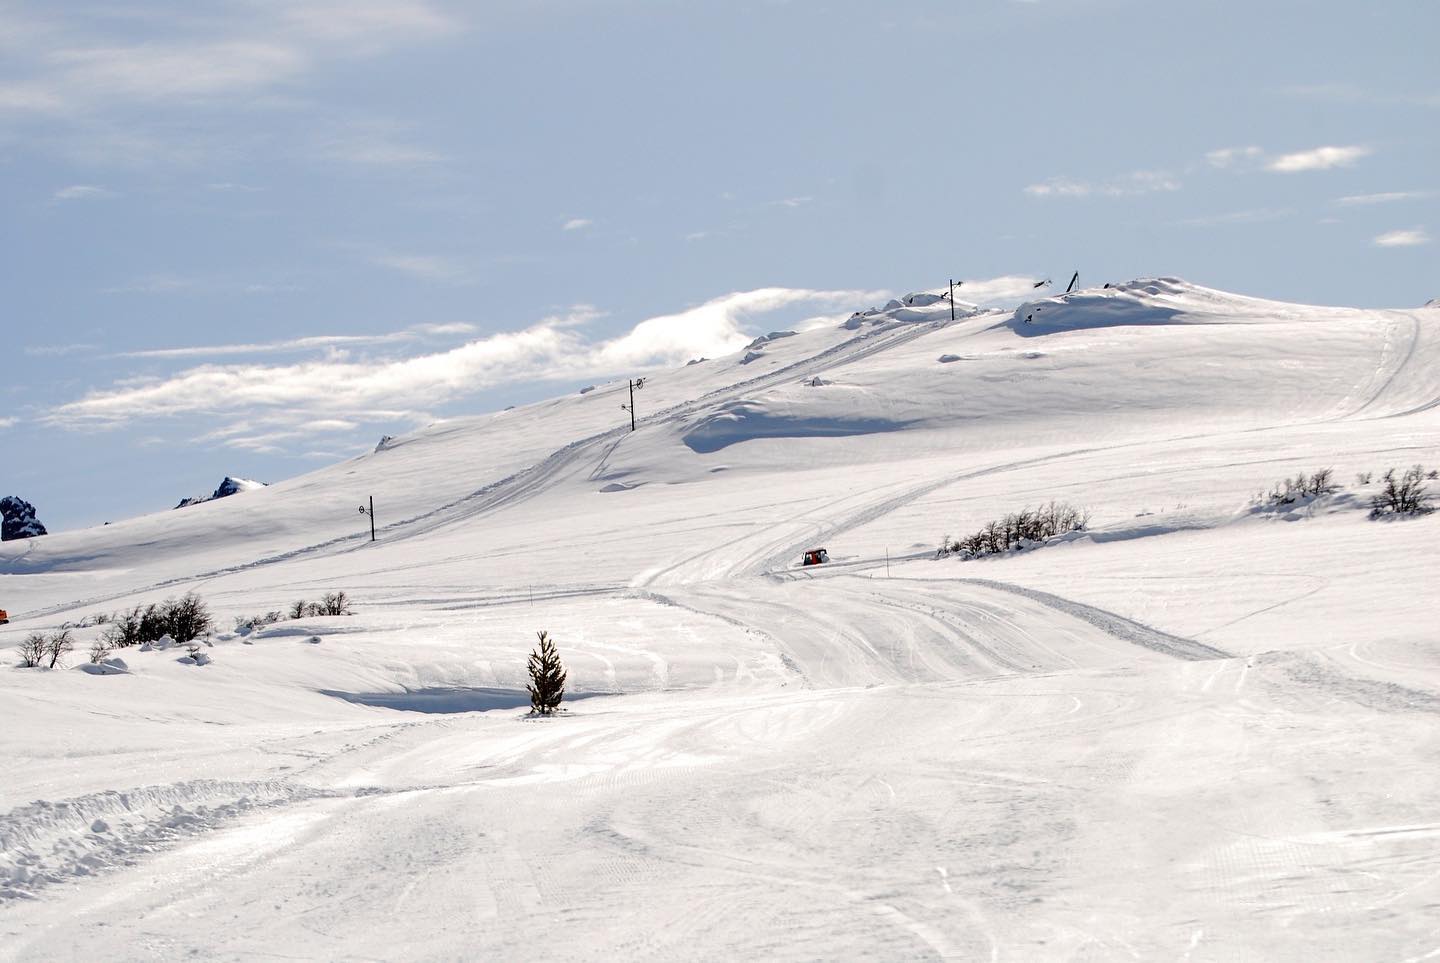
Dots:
(1202, 726)
(229, 486)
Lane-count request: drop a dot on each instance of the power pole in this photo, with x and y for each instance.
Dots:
(1073, 280)
(371, 512)
(952, 299)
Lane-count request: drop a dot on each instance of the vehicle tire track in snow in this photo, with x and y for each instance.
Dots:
(1117, 625)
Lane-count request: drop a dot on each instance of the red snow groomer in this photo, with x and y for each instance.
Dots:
(815, 556)
(4, 617)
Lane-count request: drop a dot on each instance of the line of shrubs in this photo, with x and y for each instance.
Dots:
(1017, 530)
(331, 603)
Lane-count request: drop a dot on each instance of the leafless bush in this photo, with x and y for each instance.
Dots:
(249, 623)
(1363, 478)
(188, 617)
(1292, 490)
(1017, 530)
(193, 650)
(183, 619)
(1403, 494)
(58, 646)
(99, 651)
(32, 649)
(332, 603)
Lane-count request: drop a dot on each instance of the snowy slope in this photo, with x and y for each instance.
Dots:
(1196, 729)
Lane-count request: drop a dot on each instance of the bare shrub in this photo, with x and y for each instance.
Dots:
(1363, 478)
(249, 623)
(58, 646)
(124, 628)
(186, 618)
(1018, 529)
(335, 603)
(332, 603)
(99, 651)
(32, 649)
(1403, 494)
(1302, 486)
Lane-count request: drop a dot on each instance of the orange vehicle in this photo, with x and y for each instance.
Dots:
(4, 617)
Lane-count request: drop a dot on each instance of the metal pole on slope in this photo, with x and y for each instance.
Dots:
(632, 404)
(952, 299)
(371, 512)
(1073, 281)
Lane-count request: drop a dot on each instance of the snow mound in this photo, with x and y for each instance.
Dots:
(740, 421)
(1148, 301)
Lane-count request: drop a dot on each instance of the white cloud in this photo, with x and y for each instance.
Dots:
(576, 223)
(1412, 237)
(1386, 198)
(80, 192)
(792, 202)
(1136, 182)
(1230, 156)
(289, 395)
(1318, 159)
(322, 342)
(987, 291)
(422, 266)
(6, 422)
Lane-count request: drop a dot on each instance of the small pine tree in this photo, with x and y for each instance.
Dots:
(547, 677)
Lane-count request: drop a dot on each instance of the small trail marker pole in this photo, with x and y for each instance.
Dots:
(371, 512)
(1073, 281)
(887, 562)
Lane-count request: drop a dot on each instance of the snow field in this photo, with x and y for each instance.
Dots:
(1195, 731)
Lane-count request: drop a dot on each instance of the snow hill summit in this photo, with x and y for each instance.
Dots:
(1121, 645)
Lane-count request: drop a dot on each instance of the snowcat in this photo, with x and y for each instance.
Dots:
(815, 556)
(4, 617)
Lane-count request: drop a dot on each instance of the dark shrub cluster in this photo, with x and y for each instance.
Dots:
(1017, 530)
(1292, 490)
(182, 619)
(1403, 494)
(332, 603)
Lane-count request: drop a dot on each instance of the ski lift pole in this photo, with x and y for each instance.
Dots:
(632, 404)
(371, 512)
(952, 299)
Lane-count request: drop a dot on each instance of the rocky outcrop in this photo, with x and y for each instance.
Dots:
(19, 519)
(230, 486)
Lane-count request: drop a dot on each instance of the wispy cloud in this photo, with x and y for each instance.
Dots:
(323, 342)
(1252, 216)
(1389, 197)
(792, 201)
(81, 192)
(425, 267)
(576, 223)
(1318, 159)
(1411, 237)
(57, 350)
(1227, 157)
(290, 395)
(1137, 182)
(7, 422)
(181, 284)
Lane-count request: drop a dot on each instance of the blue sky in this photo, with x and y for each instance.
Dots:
(250, 237)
